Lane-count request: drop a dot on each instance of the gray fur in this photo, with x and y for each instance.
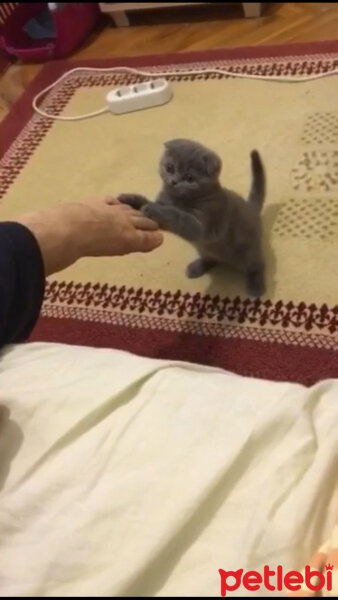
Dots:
(224, 227)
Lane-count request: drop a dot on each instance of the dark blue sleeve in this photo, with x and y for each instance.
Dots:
(22, 282)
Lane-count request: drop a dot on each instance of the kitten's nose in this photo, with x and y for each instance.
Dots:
(174, 182)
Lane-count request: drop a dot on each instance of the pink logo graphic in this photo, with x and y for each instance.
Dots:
(276, 580)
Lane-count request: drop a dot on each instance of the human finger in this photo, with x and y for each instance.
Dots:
(143, 223)
(146, 241)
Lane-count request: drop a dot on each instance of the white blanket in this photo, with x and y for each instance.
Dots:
(127, 476)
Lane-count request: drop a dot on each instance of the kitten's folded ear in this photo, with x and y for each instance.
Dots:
(213, 164)
(171, 144)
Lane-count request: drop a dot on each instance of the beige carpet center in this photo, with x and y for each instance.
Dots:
(295, 128)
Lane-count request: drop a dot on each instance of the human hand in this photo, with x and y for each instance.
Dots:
(94, 228)
(109, 228)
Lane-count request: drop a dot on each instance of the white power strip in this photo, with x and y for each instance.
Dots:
(124, 103)
(129, 98)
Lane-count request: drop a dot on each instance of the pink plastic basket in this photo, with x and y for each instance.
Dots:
(72, 24)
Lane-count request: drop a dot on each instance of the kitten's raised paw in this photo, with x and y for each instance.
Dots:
(199, 267)
(152, 211)
(134, 200)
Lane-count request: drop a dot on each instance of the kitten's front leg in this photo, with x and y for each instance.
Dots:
(255, 280)
(199, 267)
(172, 219)
(134, 200)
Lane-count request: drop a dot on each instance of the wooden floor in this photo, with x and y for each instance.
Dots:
(193, 28)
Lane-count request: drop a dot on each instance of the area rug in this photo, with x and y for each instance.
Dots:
(4, 62)
(145, 304)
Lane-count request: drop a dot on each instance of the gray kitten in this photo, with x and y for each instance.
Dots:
(224, 227)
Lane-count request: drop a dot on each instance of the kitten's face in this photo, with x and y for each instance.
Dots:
(188, 169)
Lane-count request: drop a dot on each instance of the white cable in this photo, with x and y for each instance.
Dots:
(215, 70)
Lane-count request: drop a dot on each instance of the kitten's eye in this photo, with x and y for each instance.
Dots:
(190, 179)
(170, 168)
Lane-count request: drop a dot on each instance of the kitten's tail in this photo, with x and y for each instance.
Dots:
(257, 191)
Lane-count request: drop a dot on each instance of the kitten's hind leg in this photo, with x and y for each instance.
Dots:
(134, 200)
(255, 281)
(199, 267)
